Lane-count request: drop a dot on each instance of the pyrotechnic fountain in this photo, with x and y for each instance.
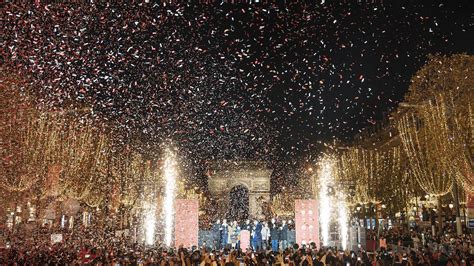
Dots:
(324, 200)
(150, 199)
(329, 200)
(170, 174)
(343, 223)
(149, 222)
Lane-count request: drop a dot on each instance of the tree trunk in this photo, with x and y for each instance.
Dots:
(440, 217)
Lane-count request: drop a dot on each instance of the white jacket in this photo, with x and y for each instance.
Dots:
(265, 233)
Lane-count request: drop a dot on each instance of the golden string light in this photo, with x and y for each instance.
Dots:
(357, 167)
(397, 186)
(375, 176)
(422, 146)
(461, 143)
(435, 151)
(28, 142)
(445, 130)
(441, 121)
(64, 155)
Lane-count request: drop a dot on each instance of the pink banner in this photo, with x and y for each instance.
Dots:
(470, 201)
(306, 221)
(244, 240)
(470, 210)
(186, 222)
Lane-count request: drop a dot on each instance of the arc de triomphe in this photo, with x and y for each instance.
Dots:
(253, 175)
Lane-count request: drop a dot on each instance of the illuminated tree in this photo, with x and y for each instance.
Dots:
(442, 92)
(28, 139)
(358, 166)
(424, 150)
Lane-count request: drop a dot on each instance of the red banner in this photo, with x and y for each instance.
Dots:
(186, 222)
(306, 221)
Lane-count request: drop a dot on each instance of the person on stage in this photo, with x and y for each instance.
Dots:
(234, 233)
(224, 234)
(257, 236)
(216, 235)
(248, 226)
(265, 235)
(284, 235)
(274, 235)
(230, 235)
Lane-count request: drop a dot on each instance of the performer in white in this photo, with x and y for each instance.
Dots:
(265, 235)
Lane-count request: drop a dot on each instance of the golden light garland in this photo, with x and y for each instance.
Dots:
(441, 92)
(85, 151)
(75, 152)
(398, 187)
(28, 145)
(130, 172)
(435, 151)
(375, 176)
(461, 143)
(356, 167)
(421, 145)
(444, 140)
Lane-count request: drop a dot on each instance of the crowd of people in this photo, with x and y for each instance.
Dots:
(420, 247)
(396, 246)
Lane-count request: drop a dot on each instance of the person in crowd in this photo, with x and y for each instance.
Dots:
(97, 246)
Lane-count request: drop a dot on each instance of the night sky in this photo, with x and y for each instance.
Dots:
(254, 81)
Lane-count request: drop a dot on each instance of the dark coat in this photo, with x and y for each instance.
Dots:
(216, 233)
(247, 227)
(274, 232)
(224, 233)
(284, 232)
(258, 232)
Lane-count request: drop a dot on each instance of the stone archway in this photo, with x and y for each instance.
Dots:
(254, 175)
